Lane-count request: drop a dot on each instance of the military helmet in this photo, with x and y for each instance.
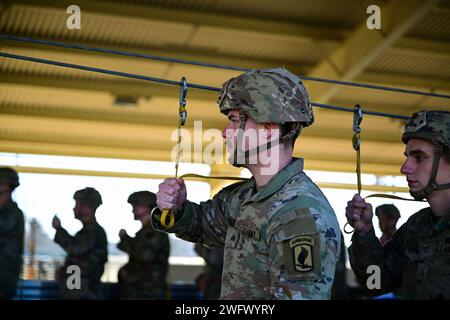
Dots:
(89, 196)
(143, 198)
(268, 95)
(10, 177)
(430, 125)
(388, 210)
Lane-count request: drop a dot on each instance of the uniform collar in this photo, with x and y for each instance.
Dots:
(278, 180)
(442, 222)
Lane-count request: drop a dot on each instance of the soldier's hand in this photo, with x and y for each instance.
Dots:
(122, 233)
(56, 223)
(171, 194)
(359, 214)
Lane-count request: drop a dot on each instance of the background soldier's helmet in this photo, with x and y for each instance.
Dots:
(143, 198)
(268, 95)
(89, 196)
(10, 177)
(388, 210)
(430, 125)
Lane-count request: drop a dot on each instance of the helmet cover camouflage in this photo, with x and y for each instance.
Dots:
(430, 125)
(268, 95)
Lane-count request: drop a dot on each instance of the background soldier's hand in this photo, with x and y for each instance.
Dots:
(122, 233)
(359, 214)
(171, 194)
(56, 223)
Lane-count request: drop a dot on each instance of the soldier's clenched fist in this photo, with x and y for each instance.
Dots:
(359, 214)
(171, 194)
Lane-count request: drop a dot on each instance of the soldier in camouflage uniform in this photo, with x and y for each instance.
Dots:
(415, 261)
(280, 234)
(144, 276)
(11, 234)
(388, 216)
(88, 249)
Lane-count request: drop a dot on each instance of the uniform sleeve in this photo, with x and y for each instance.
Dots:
(303, 253)
(200, 223)
(125, 244)
(63, 238)
(83, 241)
(367, 250)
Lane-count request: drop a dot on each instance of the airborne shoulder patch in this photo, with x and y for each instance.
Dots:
(302, 254)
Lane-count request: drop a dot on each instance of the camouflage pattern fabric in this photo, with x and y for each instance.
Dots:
(268, 95)
(146, 270)
(281, 241)
(430, 125)
(88, 249)
(209, 281)
(414, 263)
(11, 248)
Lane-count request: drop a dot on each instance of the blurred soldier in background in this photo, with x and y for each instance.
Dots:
(11, 234)
(144, 276)
(87, 250)
(388, 216)
(209, 281)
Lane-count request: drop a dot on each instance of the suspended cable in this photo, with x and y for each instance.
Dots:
(214, 65)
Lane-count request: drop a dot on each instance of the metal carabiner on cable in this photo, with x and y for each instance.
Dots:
(182, 120)
(183, 93)
(356, 141)
(357, 119)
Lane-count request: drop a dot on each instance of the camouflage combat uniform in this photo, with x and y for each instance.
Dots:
(11, 234)
(88, 250)
(11, 248)
(147, 267)
(281, 241)
(415, 262)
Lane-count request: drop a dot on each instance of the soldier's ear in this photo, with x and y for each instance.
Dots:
(271, 129)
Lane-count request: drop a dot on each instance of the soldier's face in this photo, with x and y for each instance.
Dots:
(5, 193)
(419, 163)
(140, 211)
(253, 133)
(386, 223)
(81, 210)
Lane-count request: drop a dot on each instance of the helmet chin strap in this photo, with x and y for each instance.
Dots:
(432, 184)
(242, 157)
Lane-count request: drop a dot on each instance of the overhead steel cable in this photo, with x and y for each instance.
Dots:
(214, 65)
(171, 82)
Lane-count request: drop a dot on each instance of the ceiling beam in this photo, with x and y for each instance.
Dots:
(431, 48)
(192, 18)
(364, 46)
(424, 84)
(185, 54)
(117, 86)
